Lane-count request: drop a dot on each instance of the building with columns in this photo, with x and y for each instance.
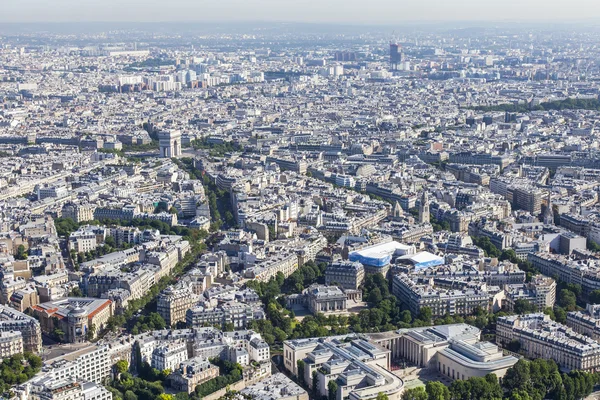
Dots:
(452, 350)
(324, 299)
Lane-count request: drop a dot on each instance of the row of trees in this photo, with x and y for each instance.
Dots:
(526, 380)
(217, 149)
(132, 320)
(127, 148)
(219, 201)
(541, 379)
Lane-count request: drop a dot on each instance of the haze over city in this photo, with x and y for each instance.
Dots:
(299, 200)
(346, 11)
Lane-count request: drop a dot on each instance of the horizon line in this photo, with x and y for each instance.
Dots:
(334, 22)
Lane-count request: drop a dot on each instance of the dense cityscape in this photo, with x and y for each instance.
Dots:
(299, 212)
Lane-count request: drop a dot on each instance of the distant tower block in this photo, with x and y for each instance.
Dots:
(170, 143)
(395, 56)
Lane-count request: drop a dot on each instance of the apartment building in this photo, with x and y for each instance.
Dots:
(345, 274)
(238, 314)
(442, 297)
(586, 322)
(11, 342)
(12, 320)
(541, 292)
(173, 303)
(540, 337)
(192, 373)
(169, 356)
(90, 364)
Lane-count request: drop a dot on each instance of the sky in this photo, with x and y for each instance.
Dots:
(337, 11)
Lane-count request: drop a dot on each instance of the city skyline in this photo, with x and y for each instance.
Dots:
(299, 200)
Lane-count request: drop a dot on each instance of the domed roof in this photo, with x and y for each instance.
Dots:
(77, 312)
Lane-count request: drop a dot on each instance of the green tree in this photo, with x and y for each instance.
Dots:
(375, 296)
(517, 377)
(280, 334)
(592, 246)
(21, 253)
(406, 317)
(76, 292)
(437, 391)
(110, 241)
(129, 395)
(567, 300)
(595, 296)
(510, 255)
(91, 333)
(382, 396)
(460, 390)
(332, 388)
(425, 315)
(560, 314)
(523, 306)
(417, 393)
(550, 312)
(300, 364)
(122, 366)
(58, 333)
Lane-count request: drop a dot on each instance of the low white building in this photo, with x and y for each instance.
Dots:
(259, 350)
(169, 356)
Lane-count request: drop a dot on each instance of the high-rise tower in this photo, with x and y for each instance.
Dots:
(395, 56)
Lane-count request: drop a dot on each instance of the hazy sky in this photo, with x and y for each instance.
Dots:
(348, 11)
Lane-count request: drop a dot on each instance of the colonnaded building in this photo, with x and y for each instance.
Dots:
(364, 361)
